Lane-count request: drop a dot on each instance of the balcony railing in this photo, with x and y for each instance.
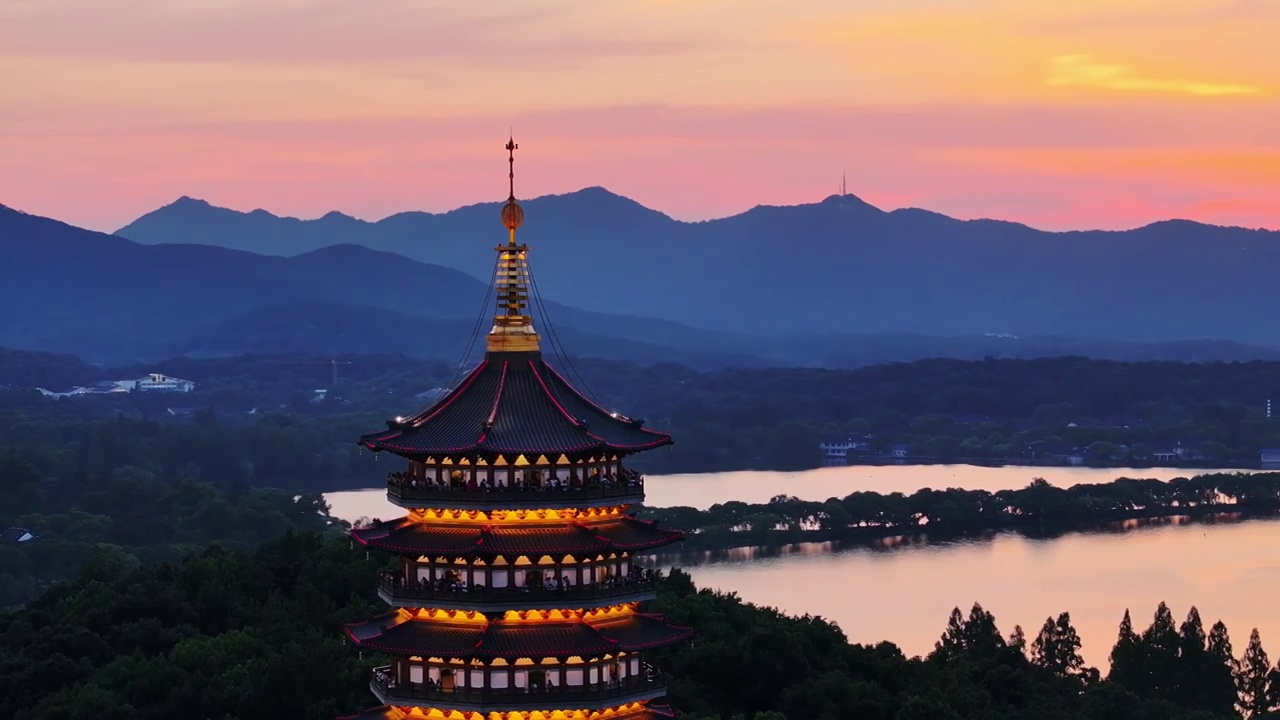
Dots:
(650, 683)
(394, 587)
(409, 490)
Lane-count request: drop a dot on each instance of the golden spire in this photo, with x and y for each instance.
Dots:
(512, 325)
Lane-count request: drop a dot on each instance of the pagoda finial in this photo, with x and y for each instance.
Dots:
(513, 325)
(512, 213)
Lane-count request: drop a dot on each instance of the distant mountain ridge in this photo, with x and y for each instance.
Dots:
(68, 290)
(837, 266)
(64, 289)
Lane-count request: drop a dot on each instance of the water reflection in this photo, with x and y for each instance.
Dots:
(693, 558)
(902, 588)
(751, 486)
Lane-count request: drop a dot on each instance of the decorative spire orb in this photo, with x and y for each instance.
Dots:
(512, 214)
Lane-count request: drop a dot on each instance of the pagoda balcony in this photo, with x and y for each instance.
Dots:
(637, 587)
(410, 492)
(646, 686)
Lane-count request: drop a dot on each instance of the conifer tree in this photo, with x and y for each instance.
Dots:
(951, 645)
(1160, 649)
(1125, 657)
(981, 636)
(1217, 679)
(1018, 640)
(1253, 681)
(1186, 683)
(1057, 648)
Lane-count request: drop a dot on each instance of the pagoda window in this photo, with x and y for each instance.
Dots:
(416, 673)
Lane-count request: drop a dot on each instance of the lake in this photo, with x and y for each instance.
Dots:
(904, 593)
(757, 486)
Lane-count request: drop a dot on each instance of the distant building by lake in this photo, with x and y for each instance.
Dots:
(157, 381)
(1270, 459)
(16, 536)
(152, 382)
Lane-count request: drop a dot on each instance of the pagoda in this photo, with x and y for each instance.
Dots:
(516, 591)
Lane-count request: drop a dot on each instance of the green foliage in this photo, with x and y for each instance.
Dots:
(109, 523)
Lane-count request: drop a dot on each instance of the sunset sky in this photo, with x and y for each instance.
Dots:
(1079, 114)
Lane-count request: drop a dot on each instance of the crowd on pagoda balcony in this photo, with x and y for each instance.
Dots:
(625, 478)
(452, 582)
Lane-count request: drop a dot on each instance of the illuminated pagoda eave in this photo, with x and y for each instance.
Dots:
(513, 405)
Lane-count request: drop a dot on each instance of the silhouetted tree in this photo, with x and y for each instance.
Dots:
(1057, 648)
(1253, 681)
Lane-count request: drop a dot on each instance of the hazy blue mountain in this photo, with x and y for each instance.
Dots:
(63, 288)
(839, 266)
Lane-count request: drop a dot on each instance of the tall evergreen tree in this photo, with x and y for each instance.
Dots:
(1160, 649)
(981, 636)
(1018, 640)
(952, 643)
(1217, 679)
(1186, 683)
(1126, 659)
(1253, 681)
(1057, 648)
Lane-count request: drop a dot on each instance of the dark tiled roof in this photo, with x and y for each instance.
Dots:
(420, 538)
(498, 639)
(641, 632)
(513, 403)
(386, 712)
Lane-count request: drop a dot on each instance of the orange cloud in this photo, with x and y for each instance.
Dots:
(1085, 71)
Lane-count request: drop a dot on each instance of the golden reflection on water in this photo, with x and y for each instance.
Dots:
(902, 590)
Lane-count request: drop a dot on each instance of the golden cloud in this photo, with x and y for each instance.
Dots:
(1085, 71)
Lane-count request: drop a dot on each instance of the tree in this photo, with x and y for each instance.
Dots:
(1018, 640)
(1253, 681)
(1057, 648)
(1126, 656)
(981, 636)
(1217, 681)
(952, 643)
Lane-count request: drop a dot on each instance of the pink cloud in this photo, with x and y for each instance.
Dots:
(691, 163)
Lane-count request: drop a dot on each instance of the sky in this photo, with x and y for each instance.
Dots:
(1060, 114)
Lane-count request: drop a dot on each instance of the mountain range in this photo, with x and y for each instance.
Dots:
(838, 266)
(112, 300)
(65, 289)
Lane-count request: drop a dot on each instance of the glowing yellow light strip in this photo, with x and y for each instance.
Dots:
(615, 713)
(517, 517)
(471, 617)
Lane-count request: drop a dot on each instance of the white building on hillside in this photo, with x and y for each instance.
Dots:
(157, 381)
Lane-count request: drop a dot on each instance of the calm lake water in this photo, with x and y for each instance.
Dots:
(753, 486)
(904, 593)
